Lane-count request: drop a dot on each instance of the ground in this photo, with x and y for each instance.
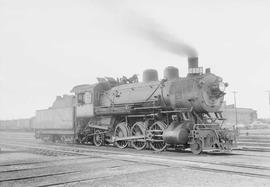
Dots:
(25, 161)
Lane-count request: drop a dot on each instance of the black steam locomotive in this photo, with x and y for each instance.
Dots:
(173, 112)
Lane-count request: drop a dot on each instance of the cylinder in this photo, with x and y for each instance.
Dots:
(150, 75)
(192, 62)
(171, 73)
(176, 134)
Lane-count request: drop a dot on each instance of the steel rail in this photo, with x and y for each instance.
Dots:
(83, 152)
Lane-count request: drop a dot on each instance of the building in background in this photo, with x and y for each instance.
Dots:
(244, 115)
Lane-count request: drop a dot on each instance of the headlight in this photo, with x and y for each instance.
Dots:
(221, 86)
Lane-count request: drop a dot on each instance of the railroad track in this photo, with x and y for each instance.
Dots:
(78, 148)
(135, 158)
(120, 163)
(255, 140)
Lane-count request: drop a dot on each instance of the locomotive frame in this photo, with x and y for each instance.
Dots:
(142, 131)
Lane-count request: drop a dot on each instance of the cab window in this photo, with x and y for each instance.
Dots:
(80, 98)
(88, 97)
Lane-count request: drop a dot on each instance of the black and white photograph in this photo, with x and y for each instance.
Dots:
(127, 93)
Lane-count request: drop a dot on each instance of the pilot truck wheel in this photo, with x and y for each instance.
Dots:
(196, 147)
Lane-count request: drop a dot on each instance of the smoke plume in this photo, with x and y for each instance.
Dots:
(149, 29)
(155, 33)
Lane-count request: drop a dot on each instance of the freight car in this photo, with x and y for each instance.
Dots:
(17, 124)
(176, 112)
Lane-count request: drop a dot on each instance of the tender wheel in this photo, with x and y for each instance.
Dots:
(138, 129)
(63, 139)
(98, 138)
(156, 131)
(196, 147)
(121, 131)
(57, 139)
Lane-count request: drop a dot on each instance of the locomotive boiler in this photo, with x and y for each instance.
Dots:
(174, 112)
(203, 92)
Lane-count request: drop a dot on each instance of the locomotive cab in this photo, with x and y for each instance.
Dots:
(84, 100)
(88, 97)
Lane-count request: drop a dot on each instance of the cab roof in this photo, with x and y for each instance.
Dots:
(83, 88)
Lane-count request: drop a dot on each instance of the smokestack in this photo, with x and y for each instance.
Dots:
(193, 68)
(192, 62)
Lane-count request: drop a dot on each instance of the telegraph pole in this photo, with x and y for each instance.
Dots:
(235, 109)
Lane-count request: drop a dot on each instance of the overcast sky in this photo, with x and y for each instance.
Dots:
(47, 47)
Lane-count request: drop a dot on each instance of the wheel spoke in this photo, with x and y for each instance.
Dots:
(156, 130)
(121, 131)
(138, 129)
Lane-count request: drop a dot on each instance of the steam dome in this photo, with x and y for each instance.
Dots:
(150, 75)
(171, 73)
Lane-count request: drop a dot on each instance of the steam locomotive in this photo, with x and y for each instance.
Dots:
(175, 112)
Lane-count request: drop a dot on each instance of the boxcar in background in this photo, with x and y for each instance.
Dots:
(18, 124)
